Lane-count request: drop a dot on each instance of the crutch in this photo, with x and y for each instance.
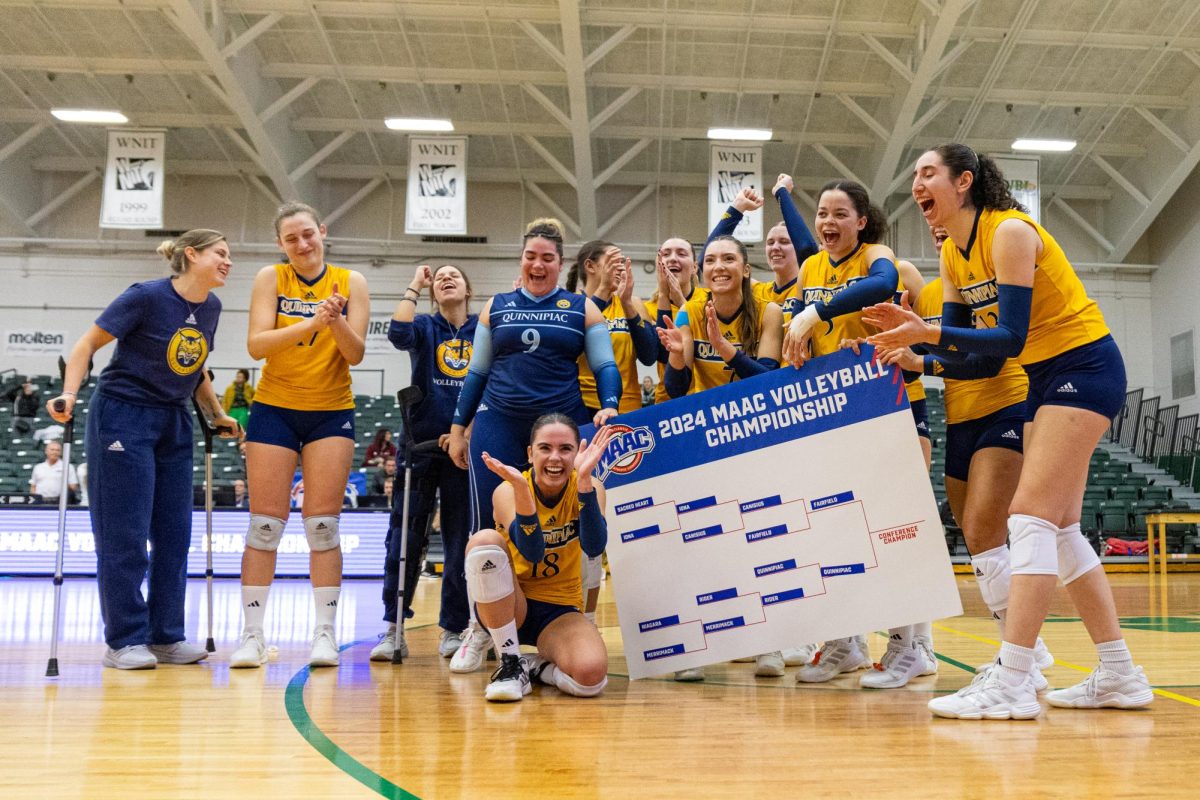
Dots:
(68, 439)
(209, 431)
(406, 398)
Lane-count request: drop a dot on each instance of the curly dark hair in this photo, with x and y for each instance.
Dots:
(989, 189)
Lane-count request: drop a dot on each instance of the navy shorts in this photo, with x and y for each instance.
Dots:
(1003, 428)
(292, 429)
(1091, 376)
(920, 417)
(538, 615)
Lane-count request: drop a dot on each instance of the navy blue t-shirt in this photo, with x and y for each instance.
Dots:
(162, 344)
(536, 345)
(440, 356)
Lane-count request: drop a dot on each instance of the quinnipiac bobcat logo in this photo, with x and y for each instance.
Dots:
(186, 351)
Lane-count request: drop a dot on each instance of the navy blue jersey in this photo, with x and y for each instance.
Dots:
(162, 343)
(535, 348)
(441, 354)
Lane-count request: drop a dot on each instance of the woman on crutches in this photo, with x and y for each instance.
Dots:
(139, 445)
(439, 345)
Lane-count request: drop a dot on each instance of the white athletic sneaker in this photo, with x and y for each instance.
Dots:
(134, 656)
(1106, 689)
(251, 652)
(900, 665)
(178, 653)
(799, 656)
(988, 697)
(476, 642)
(449, 643)
(536, 665)
(769, 665)
(834, 658)
(324, 648)
(387, 645)
(745, 660)
(689, 675)
(510, 682)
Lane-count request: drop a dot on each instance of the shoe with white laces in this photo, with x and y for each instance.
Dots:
(799, 656)
(834, 658)
(510, 682)
(386, 649)
(1106, 689)
(989, 697)
(476, 644)
(900, 664)
(178, 653)
(324, 648)
(449, 643)
(251, 652)
(689, 675)
(134, 656)
(769, 665)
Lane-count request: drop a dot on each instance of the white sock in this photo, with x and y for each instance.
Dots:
(902, 636)
(922, 630)
(254, 606)
(1014, 662)
(548, 674)
(1115, 657)
(326, 600)
(505, 639)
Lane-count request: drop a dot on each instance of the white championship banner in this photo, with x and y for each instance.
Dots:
(733, 168)
(436, 194)
(1021, 173)
(133, 179)
(790, 508)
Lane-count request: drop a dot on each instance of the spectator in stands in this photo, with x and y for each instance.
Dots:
(381, 450)
(388, 483)
(382, 476)
(25, 406)
(240, 498)
(47, 478)
(239, 396)
(648, 389)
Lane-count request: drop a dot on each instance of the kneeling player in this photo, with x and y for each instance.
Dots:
(547, 518)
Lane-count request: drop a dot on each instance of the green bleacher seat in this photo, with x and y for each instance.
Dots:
(1126, 493)
(1089, 519)
(1159, 494)
(1095, 494)
(1104, 479)
(1136, 479)
(1114, 517)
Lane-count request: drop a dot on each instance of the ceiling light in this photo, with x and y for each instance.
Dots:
(89, 115)
(750, 134)
(1045, 145)
(410, 124)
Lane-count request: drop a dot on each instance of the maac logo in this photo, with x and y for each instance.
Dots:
(454, 357)
(186, 351)
(564, 303)
(625, 450)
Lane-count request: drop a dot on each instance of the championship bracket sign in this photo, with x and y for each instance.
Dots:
(789, 508)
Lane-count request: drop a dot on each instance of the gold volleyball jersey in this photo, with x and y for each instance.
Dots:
(623, 354)
(311, 375)
(820, 279)
(1062, 316)
(785, 298)
(660, 391)
(968, 400)
(709, 369)
(557, 578)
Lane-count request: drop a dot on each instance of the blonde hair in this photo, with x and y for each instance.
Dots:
(292, 209)
(175, 250)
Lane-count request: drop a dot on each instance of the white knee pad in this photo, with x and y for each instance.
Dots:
(489, 575)
(993, 572)
(593, 573)
(567, 685)
(322, 533)
(264, 532)
(1075, 556)
(1033, 546)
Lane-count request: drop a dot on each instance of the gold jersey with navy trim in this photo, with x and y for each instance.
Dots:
(311, 375)
(820, 279)
(660, 391)
(625, 357)
(558, 577)
(1062, 316)
(968, 400)
(709, 370)
(785, 298)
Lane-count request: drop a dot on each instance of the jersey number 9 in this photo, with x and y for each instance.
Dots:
(531, 339)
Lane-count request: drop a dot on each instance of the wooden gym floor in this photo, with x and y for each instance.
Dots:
(367, 730)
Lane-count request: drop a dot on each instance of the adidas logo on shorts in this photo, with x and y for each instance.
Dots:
(347, 426)
(978, 572)
(1010, 434)
(488, 565)
(1067, 388)
(117, 447)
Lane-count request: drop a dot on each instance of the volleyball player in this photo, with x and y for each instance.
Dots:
(547, 519)
(675, 270)
(308, 319)
(1031, 305)
(139, 444)
(523, 365)
(439, 347)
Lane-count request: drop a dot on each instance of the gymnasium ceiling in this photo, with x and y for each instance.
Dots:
(595, 94)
